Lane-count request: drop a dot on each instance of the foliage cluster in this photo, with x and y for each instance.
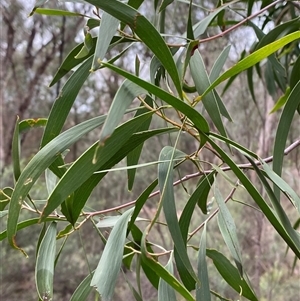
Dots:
(188, 98)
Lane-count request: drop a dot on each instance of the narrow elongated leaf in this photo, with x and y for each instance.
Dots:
(198, 120)
(83, 289)
(123, 98)
(253, 59)
(107, 30)
(165, 181)
(56, 12)
(256, 196)
(231, 275)
(141, 200)
(284, 125)
(201, 81)
(38, 165)
(134, 155)
(228, 230)
(146, 32)
(219, 64)
(44, 269)
(165, 291)
(199, 196)
(27, 223)
(201, 26)
(159, 270)
(105, 276)
(87, 164)
(203, 291)
(282, 185)
(84, 191)
(64, 102)
(16, 151)
(5, 196)
(281, 214)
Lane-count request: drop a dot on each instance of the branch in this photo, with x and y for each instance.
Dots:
(240, 23)
(194, 175)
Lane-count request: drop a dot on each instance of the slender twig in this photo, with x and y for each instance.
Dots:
(239, 24)
(194, 175)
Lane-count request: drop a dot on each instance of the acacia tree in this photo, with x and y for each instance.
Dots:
(188, 98)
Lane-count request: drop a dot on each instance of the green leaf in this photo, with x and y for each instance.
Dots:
(86, 48)
(16, 151)
(165, 181)
(295, 76)
(219, 64)
(64, 102)
(201, 26)
(198, 120)
(256, 196)
(5, 196)
(164, 4)
(281, 101)
(146, 32)
(231, 275)
(89, 162)
(134, 155)
(159, 270)
(38, 165)
(123, 98)
(108, 268)
(201, 81)
(83, 289)
(228, 230)
(198, 196)
(56, 12)
(253, 59)
(27, 223)
(203, 291)
(141, 200)
(44, 269)
(165, 291)
(107, 30)
(282, 185)
(283, 130)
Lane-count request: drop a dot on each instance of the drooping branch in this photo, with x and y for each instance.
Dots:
(194, 175)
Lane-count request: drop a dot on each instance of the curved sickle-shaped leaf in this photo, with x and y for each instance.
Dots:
(159, 270)
(253, 59)
(294, 244)
(201, 26)
(146, 32)
(165, 291)
(231, 275)
(228, 230)
(282, 185)
(64, 102)
(198, 120)
(83, 192)
(165, 181)
(284, 125)
(108, 268)
(87, 164)
(203, 292)
(107, 30)
(201, 81)
(199, 196)
(123, 98)
(83, 289)
(44, 269)
(38, 165)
